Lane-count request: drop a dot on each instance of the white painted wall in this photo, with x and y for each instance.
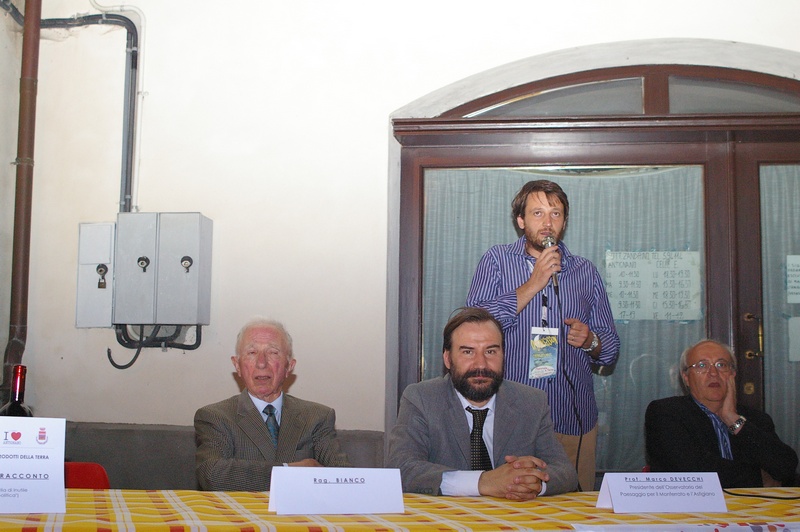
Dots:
(272, 119)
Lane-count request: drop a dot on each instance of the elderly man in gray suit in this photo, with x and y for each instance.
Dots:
(239, 440)
(432, 442)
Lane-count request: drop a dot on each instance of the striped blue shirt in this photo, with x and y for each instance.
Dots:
(500, 272)
(720, 429)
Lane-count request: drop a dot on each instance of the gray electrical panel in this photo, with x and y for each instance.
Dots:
(162, 269)
(95, 275)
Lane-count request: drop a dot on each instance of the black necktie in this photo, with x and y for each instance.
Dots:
(479, 456)
(272, 424)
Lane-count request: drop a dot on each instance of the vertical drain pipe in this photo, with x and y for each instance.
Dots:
(20, 263)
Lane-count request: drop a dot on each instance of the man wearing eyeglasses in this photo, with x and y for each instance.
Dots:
(706, 430)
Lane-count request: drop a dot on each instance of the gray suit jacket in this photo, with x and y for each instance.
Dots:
(234, 452)
(432, 435)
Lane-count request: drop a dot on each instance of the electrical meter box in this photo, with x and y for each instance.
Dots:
(95, 275)
(162, 269)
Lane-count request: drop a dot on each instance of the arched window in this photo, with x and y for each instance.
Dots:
(641, 90)
(697, 163)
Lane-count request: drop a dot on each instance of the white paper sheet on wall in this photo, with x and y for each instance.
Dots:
(654, 285)
(793, 278)
(794, 339)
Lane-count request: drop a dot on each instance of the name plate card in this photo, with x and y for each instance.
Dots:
(335, 490)
(662, 493)
(32, 465)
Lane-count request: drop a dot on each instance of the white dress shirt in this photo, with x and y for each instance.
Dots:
(465, 483)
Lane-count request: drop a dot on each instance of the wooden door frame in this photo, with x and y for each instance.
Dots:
(751, 152)
(709, 141)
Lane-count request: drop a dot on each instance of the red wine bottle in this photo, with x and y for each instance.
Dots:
(16, 403)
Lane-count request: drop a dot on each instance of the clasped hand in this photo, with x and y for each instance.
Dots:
(519, 478)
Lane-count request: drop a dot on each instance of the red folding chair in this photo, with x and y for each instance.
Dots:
(87, 475)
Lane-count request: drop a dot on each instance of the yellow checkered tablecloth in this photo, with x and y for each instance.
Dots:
(101, 510)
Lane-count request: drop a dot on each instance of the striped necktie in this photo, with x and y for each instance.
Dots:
(272, 424)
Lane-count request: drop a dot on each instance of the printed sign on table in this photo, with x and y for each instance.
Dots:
(335, 490)
(662, 493)
(32, 465)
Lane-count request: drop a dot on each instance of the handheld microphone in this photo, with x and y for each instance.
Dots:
(548, 242)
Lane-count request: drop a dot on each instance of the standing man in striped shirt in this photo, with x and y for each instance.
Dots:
(556, 317)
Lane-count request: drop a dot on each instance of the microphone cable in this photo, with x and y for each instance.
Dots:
(571, 386)
(760, 496)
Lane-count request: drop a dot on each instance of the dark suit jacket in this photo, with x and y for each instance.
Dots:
(234, 452)
(432, 435)
(680, 437)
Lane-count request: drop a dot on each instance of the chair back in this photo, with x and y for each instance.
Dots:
(89, 475)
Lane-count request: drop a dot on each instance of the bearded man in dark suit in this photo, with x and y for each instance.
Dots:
(239, 440)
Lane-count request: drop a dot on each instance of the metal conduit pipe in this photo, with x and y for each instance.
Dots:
(20, 261)
(131, 83)
(20, 267)
(131, 80)
(13, 11)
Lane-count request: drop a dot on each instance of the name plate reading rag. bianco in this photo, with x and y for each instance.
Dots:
(662, 493)
(335, 490)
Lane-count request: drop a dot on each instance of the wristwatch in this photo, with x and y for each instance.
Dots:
(737, 425)
(595, 343)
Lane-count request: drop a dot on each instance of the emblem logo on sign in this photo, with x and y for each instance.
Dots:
(42, 437)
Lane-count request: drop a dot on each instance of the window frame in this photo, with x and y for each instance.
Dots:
(450, 140)
(655, 85)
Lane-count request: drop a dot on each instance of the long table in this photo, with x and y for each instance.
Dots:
(112, 510)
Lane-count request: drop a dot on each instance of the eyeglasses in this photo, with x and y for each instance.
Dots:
(702, 367)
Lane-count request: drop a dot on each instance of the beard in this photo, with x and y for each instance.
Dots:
(534, 245)
(534, 241)
(475, 393)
